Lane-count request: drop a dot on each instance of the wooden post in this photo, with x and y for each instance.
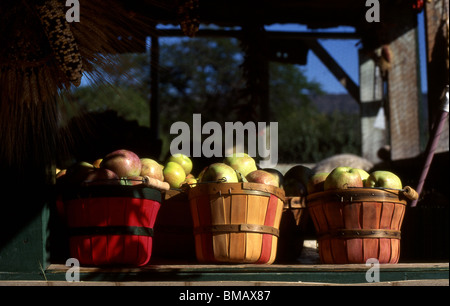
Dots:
(154, 77)
(436, 25)
(403, 90)
(371, 95)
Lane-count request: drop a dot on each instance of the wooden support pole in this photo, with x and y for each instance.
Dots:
(403, 91)
(154, 79)
(436, 26)
(371, 93)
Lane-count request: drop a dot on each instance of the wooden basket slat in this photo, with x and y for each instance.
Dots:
(235, 204)
(339, 210)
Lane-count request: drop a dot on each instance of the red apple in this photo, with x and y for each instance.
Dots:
(262, 177)
(77, 173)
(101, 176)
(343, 178)
(278, 175)
(316, 182)
(123, 162)
(299, 173)
(294, 188)
(151, 168)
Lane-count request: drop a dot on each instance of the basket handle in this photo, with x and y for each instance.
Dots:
(154, 183)
(410, 193)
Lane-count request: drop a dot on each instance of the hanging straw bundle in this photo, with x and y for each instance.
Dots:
(43, 56)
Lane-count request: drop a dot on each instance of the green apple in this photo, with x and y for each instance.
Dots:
(300, 173)
(262, 177)
(182, 160)
(242, 162)
(385, 179)
(151, 168)
(218, 171)
(343, 178)
(364, 175)
(174, 174)
(316, 182)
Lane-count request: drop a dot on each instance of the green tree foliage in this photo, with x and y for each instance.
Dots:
(205, 76)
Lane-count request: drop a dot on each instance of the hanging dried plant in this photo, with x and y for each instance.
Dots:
(188, 13)
(42, 56)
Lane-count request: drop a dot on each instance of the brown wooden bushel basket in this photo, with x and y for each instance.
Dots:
(236, 222)
(356, 224)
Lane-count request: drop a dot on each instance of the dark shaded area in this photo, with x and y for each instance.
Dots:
(94, 135)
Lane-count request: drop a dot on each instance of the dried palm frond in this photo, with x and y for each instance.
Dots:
(42, 56)
(188, 13)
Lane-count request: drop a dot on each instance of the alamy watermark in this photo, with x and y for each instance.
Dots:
(258, 135)
(73, 273)
(73, 13)
(373, 274)
(373, 13)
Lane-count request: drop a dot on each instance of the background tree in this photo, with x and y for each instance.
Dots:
(204, 76)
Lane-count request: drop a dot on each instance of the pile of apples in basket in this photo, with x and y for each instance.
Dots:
(124, 167)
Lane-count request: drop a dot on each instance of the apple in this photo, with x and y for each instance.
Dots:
(300, 173)
(132, 180)
(101, 176)
(200, 175)
(174, 174)
(385, 179)
(316, 182)
(123, 162)
(262, 177)
(218, 171)
(97, 162)
(242, 162)
(151, 168)
(182, 160)
(278, 175)
(294, 188)
(191, 181)
(76, 173)
(60, 173)
(343, 178)
(364, 175)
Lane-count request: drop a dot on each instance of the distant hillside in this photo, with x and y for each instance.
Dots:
(331, 102)
(345, 103)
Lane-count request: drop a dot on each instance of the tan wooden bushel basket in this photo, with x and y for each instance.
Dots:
(236, 222)
(356, 224)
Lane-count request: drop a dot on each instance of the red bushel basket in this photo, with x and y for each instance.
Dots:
(356, 224)
(111, 224)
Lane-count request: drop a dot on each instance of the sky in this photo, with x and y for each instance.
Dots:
(345, 52)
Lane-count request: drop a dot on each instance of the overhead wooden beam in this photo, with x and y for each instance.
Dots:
(334, 68)
(289, 35)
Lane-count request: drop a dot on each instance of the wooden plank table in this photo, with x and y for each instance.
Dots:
(275, 274)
